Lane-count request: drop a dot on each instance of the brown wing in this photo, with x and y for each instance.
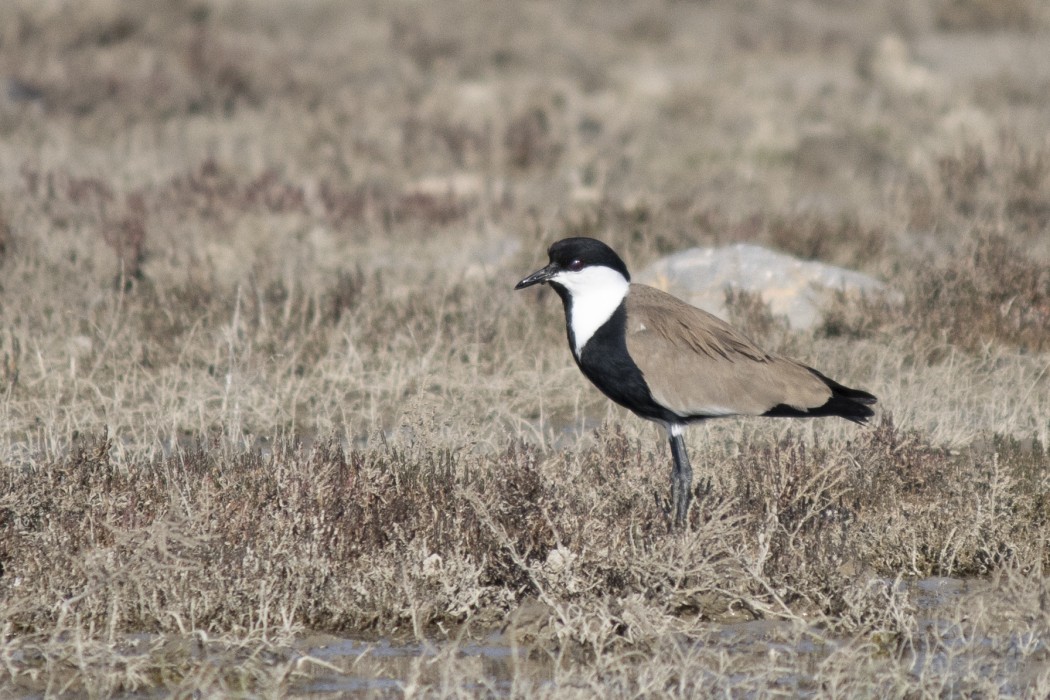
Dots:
(696, 364)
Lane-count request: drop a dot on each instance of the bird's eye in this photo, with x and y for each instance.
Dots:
(576, 265)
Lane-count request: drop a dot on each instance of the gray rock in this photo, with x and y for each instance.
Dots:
(793, 288)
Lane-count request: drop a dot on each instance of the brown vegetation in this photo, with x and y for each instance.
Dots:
(262, 374)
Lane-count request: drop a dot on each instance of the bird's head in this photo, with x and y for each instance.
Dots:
(580, 265)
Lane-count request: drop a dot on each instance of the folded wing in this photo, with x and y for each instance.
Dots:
(699, 366)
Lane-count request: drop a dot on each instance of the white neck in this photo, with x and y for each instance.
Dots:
(596, 292)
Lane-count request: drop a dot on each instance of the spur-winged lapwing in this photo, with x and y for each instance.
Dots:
(672, 363)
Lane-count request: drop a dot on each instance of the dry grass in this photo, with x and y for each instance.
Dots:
(262, 373)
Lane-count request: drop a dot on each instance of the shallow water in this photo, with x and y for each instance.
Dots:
(952, 638)
(779, 656)
(384, 667)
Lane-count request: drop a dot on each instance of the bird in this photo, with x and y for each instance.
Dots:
(672, 363)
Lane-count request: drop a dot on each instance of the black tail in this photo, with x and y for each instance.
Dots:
(851, 404)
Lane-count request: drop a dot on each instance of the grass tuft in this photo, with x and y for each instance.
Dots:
(264, 377)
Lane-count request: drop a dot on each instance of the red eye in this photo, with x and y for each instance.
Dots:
(576, 265)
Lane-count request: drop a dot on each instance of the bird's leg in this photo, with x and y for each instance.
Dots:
(681, 479)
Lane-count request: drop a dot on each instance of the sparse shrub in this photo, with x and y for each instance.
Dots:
(424, 46)
(530, 141)
(1007, 186)
(751, 314)
(344, 296)
(962, 179)
(994, 292)
(796, 498)
(944, 514)
(439, 139)
(986, 15)
(126, 235)
(12, 361)
(373, 203)
(305, 523)
(276, 195)
(1027, 190)
(430, 209)
(219, 72)
(5, 236)
(843, 240)
(344, 205)
(990, 292)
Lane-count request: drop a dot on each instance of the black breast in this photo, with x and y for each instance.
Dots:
(607, 364)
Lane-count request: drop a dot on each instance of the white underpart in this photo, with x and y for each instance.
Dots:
(715, 411)
(596, 292)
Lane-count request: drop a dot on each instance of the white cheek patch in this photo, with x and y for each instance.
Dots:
(596, 293)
